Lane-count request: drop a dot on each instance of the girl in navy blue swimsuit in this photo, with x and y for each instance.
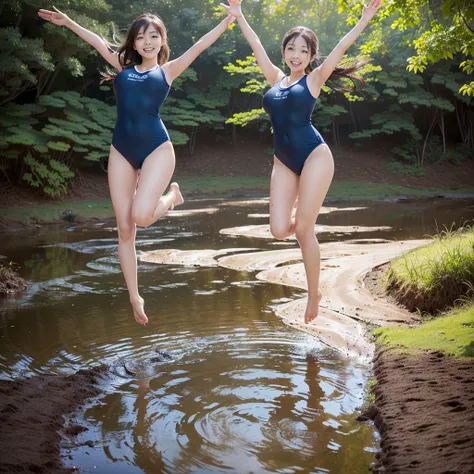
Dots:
(303, 165)
(140, 140)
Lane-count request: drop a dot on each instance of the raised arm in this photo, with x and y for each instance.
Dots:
(272, 73)
(321, 74)
(173, 69)
(94, 40)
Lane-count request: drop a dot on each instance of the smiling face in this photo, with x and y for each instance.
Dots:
(296, 54)
(148, 41)
(299, 49)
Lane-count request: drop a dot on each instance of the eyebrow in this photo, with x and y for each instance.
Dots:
(152, 31)
(293, 44)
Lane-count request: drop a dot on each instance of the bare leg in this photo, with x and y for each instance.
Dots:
(150, 204)
(283, 194)
(315, 180)
(122, 184)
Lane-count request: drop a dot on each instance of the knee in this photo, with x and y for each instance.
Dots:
(280, 232)
(141, 218)
(126, 231)
(304, 231)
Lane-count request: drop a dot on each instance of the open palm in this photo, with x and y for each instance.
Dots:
(233, 8)
(56, 17)
(368, 12)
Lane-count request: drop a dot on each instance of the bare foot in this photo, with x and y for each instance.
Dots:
(312, 309)
(139, 311)
(178, 200)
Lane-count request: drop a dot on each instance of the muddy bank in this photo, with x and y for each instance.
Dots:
(424, 411)
(32, 414)
(11, 282)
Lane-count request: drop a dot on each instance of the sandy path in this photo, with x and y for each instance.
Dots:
(191, 212)
(263, 231)
(346, 306)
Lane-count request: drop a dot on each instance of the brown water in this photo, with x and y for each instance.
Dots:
(238, 391)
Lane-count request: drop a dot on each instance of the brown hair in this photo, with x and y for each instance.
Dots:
(128, 56)
(346, 71)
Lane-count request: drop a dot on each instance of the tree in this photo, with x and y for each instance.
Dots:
(445, 32)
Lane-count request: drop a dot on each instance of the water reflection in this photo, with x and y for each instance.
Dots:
(243, 393)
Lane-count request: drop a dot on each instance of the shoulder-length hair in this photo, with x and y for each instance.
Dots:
(127, 54)
(342, 71)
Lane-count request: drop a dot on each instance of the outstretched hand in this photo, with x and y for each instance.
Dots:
(233, 8)
(56, 17)
(368, 12)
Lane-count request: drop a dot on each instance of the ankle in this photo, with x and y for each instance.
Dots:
(137, 299)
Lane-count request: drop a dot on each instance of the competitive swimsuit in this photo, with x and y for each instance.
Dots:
(290, 109)
(139, 129)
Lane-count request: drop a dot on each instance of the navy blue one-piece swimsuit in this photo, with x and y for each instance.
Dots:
(290, 109)
(139, 129)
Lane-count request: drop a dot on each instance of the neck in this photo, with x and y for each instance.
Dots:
(294, 76)
(147, 64)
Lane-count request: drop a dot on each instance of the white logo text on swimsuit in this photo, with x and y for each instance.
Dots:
(136, 77)
(281, 95)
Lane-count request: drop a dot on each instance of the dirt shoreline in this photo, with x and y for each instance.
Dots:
(32, 419)
(423, 408)
(424, 412)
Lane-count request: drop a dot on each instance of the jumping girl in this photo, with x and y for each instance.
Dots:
(303, 165)
(140, 141)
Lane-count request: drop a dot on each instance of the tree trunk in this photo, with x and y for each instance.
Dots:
(51, 81)
(422, 157)
(443, 133)
(192, 140)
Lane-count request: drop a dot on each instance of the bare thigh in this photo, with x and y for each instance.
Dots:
(122, 177)
(315, 180)
(155, 175)
(283, 194)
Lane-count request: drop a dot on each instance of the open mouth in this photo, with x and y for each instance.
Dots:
(148, 50)
(294, 63)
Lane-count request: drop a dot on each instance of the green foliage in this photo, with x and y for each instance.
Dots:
(189, 107)
(47, 137)
(410, 170)
(432, 278)
(39, 60)
(244, 118)
(20, 59)
(444, 31)
(51, 176)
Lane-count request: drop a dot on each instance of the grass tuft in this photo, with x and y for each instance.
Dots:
(432, 278)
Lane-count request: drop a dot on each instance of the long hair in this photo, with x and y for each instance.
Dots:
(345, 70)
(128, 56)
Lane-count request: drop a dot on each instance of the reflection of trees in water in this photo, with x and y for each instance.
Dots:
(147, 453)
(125, 428)
(52, 262)
(302, 434)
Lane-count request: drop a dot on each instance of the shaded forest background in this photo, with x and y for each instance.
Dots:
(55, 117)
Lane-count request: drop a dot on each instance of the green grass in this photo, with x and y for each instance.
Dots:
(452, 334)
(369, 392)
(344, 190)
(100, 209)
(212, 185)
(435, 276)
(222, 185)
